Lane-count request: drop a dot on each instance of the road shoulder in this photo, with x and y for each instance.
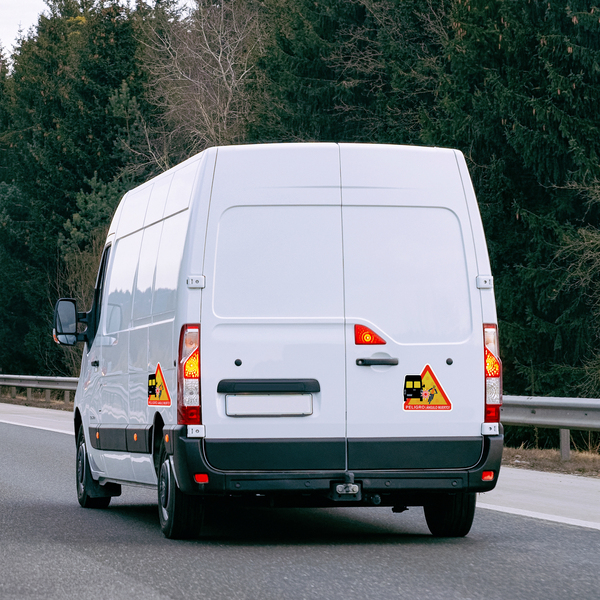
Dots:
(39, 418)
(558, 497)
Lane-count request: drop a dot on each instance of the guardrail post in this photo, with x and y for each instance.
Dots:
(67, 396)
(28, 394)
(565, 444)
(13, 392)
(47, 395)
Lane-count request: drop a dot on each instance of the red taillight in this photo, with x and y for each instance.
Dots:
(365, 336)
(201, 478)
(188, 379)
(493, 374)
(488, 476)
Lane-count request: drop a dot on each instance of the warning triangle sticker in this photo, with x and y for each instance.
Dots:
(158, 393)
(424, 392)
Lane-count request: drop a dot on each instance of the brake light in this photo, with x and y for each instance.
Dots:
(365, 336)
(188, 380)
(493, 374)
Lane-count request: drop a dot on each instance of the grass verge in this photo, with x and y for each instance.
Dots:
(581, 463)
(39, 401)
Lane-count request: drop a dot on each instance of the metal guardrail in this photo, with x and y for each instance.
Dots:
(66, 384)
(555, 413)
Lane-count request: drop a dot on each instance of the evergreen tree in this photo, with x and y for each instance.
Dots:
(346, 71)
(70, 117)
(519, 93)
(300, 89)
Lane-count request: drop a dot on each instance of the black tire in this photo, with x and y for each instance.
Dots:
(180, 515)
(451, 515)
(89, 492)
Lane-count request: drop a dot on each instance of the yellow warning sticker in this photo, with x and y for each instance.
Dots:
(158, 393)
(424, 392)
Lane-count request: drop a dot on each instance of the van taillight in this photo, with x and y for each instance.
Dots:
(188, 377)
(493, 374)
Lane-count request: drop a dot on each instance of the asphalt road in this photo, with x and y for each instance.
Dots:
(52, 548)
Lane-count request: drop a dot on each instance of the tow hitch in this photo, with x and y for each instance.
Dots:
(347, 491)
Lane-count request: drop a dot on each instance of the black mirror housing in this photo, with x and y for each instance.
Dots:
(66, 318)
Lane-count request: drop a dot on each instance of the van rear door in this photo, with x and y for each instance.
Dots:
(272, 326)
(415, 401)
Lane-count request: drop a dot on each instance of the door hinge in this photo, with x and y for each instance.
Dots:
(195, 282)
(485, 282)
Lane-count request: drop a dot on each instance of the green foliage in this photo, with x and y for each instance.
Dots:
(345, 71)
(26, 345)
(519, 93)
(70, 125)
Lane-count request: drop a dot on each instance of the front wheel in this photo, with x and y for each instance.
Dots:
(180, 515)
(451, 515)
(89, 492)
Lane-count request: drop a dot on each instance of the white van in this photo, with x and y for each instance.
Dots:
(293, 325)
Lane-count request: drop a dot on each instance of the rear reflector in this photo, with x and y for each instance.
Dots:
(492, 413)
(365, 336)
(487, 476)
(201, 478)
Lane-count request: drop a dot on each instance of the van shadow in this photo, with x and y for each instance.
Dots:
(232, 526)
(270, 526)
(307, 526)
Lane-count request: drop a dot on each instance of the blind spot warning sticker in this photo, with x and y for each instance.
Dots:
(158, 393)
(424, 392)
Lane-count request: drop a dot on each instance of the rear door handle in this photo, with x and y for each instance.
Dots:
(367, 362)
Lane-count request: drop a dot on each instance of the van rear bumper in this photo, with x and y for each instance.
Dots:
(314, 487)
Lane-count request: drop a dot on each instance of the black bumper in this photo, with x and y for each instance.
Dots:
(316, 487)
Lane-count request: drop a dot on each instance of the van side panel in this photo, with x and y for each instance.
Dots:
(137, 327)
(488, 302)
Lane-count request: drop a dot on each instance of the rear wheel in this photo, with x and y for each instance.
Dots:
(450, 515)
(89, 492)
(180, 515)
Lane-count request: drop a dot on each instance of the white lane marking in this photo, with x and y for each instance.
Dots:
(543, 516)
(38, 427)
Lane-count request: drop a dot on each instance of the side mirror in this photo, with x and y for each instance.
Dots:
(65, 322)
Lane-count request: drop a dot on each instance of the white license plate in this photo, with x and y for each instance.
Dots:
(268, 405)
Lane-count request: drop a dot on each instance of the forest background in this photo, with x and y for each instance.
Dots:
(100, 96)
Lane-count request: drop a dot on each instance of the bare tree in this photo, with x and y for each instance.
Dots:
(199, 66)
(76, 278)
